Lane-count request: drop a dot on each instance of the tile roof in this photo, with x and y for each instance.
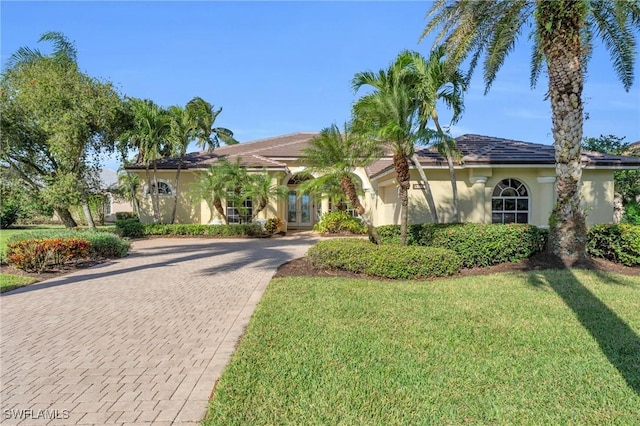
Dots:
(476, 150)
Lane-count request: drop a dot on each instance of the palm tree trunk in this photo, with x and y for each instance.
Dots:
(350, 191)
(65, 216)
(155, 195)
(563, 51)
(134, 196)
(401, 166)
(220, 209)
(427, 188)
(452, 171)
(175, 189)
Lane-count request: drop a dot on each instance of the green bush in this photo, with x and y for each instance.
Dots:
(9, 213)
(126, 215)
(132, 228)
(632, 213)
(618, 243)
(476, 244)
(337, 222)
(388, 261)
(104, 245)
(36, 255)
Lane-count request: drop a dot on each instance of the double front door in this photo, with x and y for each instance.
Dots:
(299, 210)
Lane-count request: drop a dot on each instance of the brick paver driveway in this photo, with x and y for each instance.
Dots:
(139, 340)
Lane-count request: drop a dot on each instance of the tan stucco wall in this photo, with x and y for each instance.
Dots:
(475, 187)
(188, 211)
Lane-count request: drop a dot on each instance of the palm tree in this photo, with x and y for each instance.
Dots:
(437, 81)
(194, 122)
(150, 135)
(336, 155)
(224, 181)
(262, 189)
(390, 114)
(182, 128)
(207, 136)
(563, 34)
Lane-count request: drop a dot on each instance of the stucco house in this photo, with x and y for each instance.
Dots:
(498, 180)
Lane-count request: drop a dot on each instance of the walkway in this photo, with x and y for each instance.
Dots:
(139, 340)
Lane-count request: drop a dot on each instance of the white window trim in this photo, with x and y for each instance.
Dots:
(519, 197)
(147, 192)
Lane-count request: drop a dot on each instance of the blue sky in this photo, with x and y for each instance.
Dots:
(284, 67)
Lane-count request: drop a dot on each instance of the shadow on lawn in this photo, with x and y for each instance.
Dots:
(617, 341)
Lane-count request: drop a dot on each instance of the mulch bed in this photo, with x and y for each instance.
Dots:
(303, 268)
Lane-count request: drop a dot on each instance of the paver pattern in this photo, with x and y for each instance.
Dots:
(138, 340)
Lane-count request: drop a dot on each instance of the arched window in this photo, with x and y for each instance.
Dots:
(163, 188)
(510, 202)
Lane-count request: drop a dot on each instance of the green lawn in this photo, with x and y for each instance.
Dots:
(10, 282)
(545, 347)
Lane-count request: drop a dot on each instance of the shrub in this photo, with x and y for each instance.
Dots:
(126, 215)
(104, 245)
(476, 244)
(129, 228)
(132, 228)
(35, 255)
(632, 213)
(618, 243)
(8, 214)
(273, 225)
(336, 222)
(389, 261)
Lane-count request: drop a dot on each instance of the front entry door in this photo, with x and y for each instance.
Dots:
(299, 210)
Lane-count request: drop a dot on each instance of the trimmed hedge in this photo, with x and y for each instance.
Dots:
(476, 244)
(618, 243)
(103, 245)
(132, 228)
(336, 222)
(390, 261)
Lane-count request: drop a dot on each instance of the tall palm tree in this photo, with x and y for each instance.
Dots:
(336, 155)
(150, 134)
(562, 32)
(207, 136)
(390, 114)
(182, 127)
(437, 81)
(194, 122)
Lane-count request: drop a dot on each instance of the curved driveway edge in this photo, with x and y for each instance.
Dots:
(139, 340)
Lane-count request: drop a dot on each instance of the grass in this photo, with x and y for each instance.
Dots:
(545, 347)
(10, 282)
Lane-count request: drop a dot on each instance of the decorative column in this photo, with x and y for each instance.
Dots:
(545, 204)
(479, 214)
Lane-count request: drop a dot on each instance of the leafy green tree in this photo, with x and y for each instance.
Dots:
(627, 182)
(562, 32)
(56, 123)
(336, 155)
